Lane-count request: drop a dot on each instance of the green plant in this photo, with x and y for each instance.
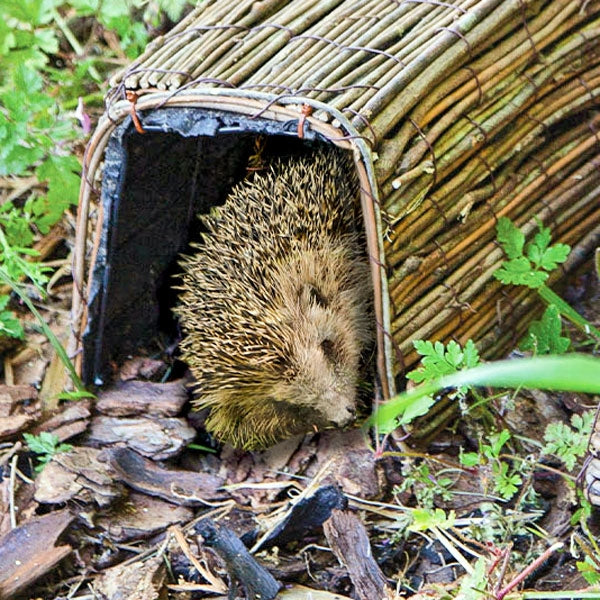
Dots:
(569, 443)
(570, 372)
(530, 265)
(544, 336)
(45, 445)
(39, 130)
(425, 485)
(438, 360)
(506, 479)
(10, 326)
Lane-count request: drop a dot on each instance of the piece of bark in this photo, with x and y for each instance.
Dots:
(136, 581)
(77, 475)
(351, 464)
(19, 409)
(241, 567)
(28, 552)
(348, 538)
(134, 398)
(304, 517)
(142, 367)
(15, 394)
(141, 517)
(72, 420)
(158, 439)
(12, 425)
(186, 488)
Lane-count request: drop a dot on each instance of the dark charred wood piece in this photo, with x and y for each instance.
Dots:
(257, 582)
(306, 516)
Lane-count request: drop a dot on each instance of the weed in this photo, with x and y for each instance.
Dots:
(530, 265)
(569, 443)
(45, 445)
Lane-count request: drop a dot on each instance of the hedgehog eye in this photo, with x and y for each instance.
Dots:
(328, 348)
(313, 295)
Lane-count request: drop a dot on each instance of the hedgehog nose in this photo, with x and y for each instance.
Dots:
(348, 417)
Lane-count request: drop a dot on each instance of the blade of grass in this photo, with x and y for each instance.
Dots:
(573, 372)
(47, 331)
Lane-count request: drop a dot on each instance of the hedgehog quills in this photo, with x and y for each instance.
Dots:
(276, 303)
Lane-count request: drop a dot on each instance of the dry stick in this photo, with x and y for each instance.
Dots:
(481, 78)
(522, 197)
(217, 584)
(502, 194)
(407, 50)
(451, 120)
(321, 56)
(346, 67)
(477, 323)
(262, 44)
(514, 52)
(172, 43)
(476, 135)
(539, 561)
(11, 497)
(218, 44)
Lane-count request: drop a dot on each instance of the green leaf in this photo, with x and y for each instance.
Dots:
(471, 355)
(511, 238)
(554, 256)
(46, 40)
(518, 271)
(10, 326)
(569, 443)
(62, 175)
(472, 586)
(505, 483)
(44, 443)
(439, 360)
(32, 12)
(539, 244)
(173, 8)
(424, 519)
(544, 336)
(498, 440)
(570, 372)
(469, 459)
(589, 571)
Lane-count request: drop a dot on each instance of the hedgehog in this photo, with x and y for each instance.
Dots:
(275, 303)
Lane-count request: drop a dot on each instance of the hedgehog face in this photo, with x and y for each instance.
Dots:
(324, 356)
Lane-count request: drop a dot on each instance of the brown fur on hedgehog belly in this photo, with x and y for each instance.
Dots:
(275, 306)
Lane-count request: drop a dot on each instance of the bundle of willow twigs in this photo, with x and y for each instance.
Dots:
(462, 112)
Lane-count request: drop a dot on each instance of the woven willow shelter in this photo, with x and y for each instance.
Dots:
(456, 112)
